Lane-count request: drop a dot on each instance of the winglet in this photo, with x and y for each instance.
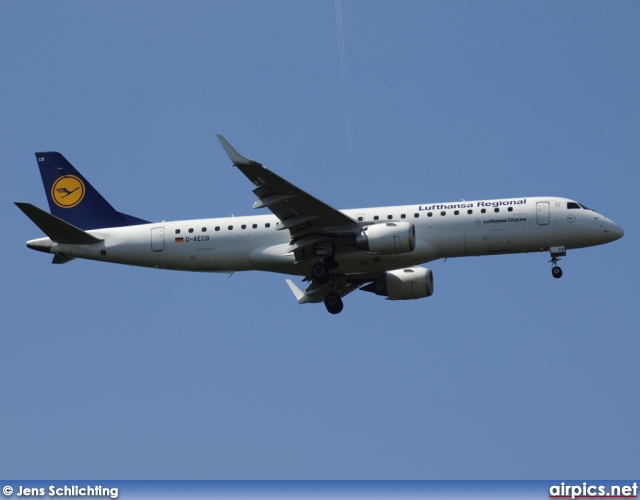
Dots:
(235, 157)
(299, 294)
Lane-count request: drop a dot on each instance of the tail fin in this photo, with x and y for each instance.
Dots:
(73, 199)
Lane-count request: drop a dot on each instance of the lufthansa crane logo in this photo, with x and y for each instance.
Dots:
(67, 191)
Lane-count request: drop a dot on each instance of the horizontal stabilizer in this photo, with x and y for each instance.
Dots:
(299, 294)
(317, 293)
(61, 259)
(56, 229)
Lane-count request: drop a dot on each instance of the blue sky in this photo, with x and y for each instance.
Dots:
(505, 373)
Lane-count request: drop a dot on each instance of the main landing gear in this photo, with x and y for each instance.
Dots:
(333, 303)
(321, 271)
(321, 275)
(556, 253)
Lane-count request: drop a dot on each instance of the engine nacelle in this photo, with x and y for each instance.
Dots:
(403, 284)
(388, 238)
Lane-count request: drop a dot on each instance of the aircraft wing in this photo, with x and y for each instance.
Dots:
(308, 219)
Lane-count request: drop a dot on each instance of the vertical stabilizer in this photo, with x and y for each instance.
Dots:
(73, 199)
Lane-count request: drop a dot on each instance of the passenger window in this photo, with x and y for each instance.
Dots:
(267, 225)
(191, 230)
(457, 212)
(469, 211)
(403, 216)
(429, 214)
(204, 229)
(244, 226)
(484, 211)
(255, 226)
(177, 231)
(416, 215)
(360, 219)
(375, 217)
(389, 217)
(217, 228)
(230, 228)
(496, 210)
(443, 213)
(510, 209)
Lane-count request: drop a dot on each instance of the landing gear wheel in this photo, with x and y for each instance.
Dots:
(333, 303)
(556, 253)
(320, 274)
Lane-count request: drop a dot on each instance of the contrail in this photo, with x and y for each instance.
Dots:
(342, 56)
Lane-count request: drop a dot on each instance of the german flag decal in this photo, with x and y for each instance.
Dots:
(179, 240)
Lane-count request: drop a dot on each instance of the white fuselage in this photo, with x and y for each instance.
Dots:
(455, 229)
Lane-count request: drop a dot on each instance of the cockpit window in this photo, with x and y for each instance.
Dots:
(586, 208)
(573, 204)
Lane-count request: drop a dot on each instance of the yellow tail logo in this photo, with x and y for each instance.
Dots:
(67, 191)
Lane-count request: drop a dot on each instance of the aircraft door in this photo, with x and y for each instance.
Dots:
(157, 239)
(542, 213)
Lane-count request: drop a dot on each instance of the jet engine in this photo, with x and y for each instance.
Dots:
(403, 284)
(389, 238)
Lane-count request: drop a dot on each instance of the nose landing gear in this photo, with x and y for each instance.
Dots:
(556, 253)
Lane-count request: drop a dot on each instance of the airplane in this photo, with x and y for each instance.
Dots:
(377, 250)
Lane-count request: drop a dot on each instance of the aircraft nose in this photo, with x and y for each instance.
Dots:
(614, 230)
(617, 231)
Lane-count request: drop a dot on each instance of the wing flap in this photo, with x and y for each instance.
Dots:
(271, 200)
(298, 220)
